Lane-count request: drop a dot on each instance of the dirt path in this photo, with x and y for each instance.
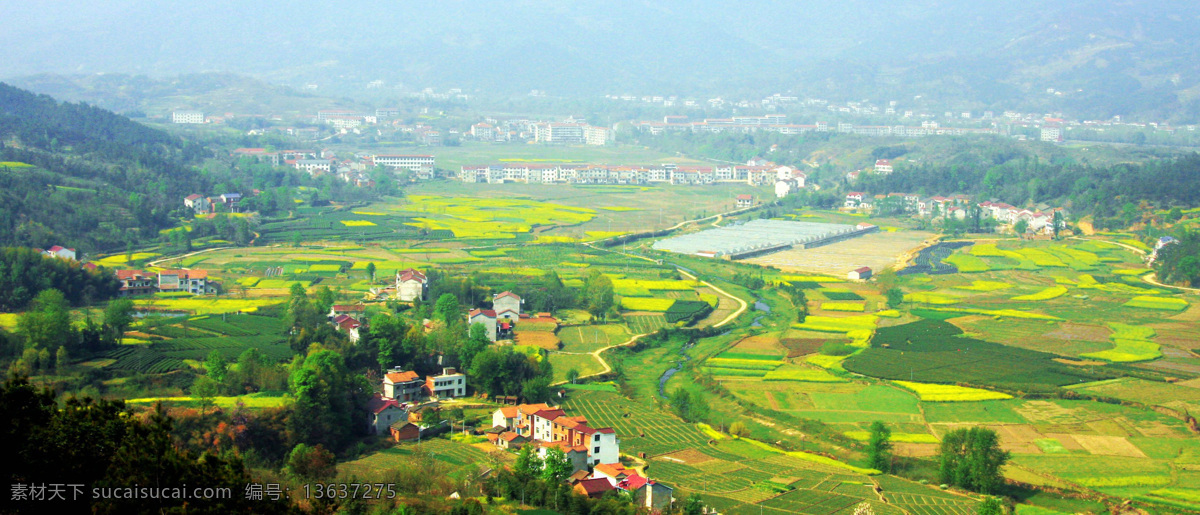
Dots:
(189, 254)
(1153, 279)
(596, 354)
(1130, 247)
(732, 316)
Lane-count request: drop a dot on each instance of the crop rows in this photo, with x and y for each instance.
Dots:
(643, 324)
(663, 433)
(142, 360)
(931, 259)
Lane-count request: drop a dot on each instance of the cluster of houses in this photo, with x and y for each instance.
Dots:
(352, 169)
(594, 452)
(1038, 221)
(406, 397)
(227, 202)
(778, 123)
(138, 282)
(758, 172)
(502, 318)
(60, 252)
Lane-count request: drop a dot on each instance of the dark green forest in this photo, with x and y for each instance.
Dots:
(25, 272)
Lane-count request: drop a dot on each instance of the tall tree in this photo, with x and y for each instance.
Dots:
(972, 459)
(879, 447)
(47, 324)
(447, 308)
(118, 316)
(556, 467)
(598, 290)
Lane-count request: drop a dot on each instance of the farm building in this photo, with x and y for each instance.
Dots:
(404, 431)
(860, 274)
(745, 200)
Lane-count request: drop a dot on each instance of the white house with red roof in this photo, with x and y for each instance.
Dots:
(402, 385)
(411, 285)
(60, 252)
(854, 198)
(543, 423)
(507, 305)
(745, 200)
(349, 325)
(136, 282)
(883, 166)
(487, 317)
(383, 413)
(191, 281)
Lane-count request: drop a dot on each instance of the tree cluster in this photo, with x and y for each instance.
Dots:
(99, 445)
(25, 272)
(971, 458)
(1179, 263)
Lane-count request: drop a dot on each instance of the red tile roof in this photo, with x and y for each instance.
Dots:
(348, 307)
(402, 377)
(507, 294)
(378, 404)
(594, 487)
(633, 482)
(485, 312)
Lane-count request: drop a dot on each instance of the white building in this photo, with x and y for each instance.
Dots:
(447, 385)
(313, 166)
(413, 163)
(507, 305)
(411, 285)
(187, 117)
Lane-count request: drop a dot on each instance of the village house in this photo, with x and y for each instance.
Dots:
(594, 488)
(883, 166)
(507, 305)
(197, 203)
(383, 413)
(191, 281)
(447, 385)
(411, 285)
(136, 282)
(349, 325)
(543, 423)
(853, 199)
(354, 310)
(402, 385)
(576, 454)
(486, 317)
(745, 201)
(60, 252)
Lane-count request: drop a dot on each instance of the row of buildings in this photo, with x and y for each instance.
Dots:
(958, 207)
(405, 392)
(315, 162)
(569, 132)
(594, 452)
(138, 282)
(778, 123)
(754, 175)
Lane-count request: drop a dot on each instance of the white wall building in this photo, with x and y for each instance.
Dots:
(187, 117)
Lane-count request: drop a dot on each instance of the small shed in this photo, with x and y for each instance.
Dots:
(860, 274)
(405, 431)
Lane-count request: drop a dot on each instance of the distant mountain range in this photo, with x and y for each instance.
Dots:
(1104, 57)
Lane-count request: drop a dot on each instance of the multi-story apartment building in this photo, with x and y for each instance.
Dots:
(187, 117)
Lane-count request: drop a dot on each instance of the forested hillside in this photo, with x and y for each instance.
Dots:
(84, 177)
